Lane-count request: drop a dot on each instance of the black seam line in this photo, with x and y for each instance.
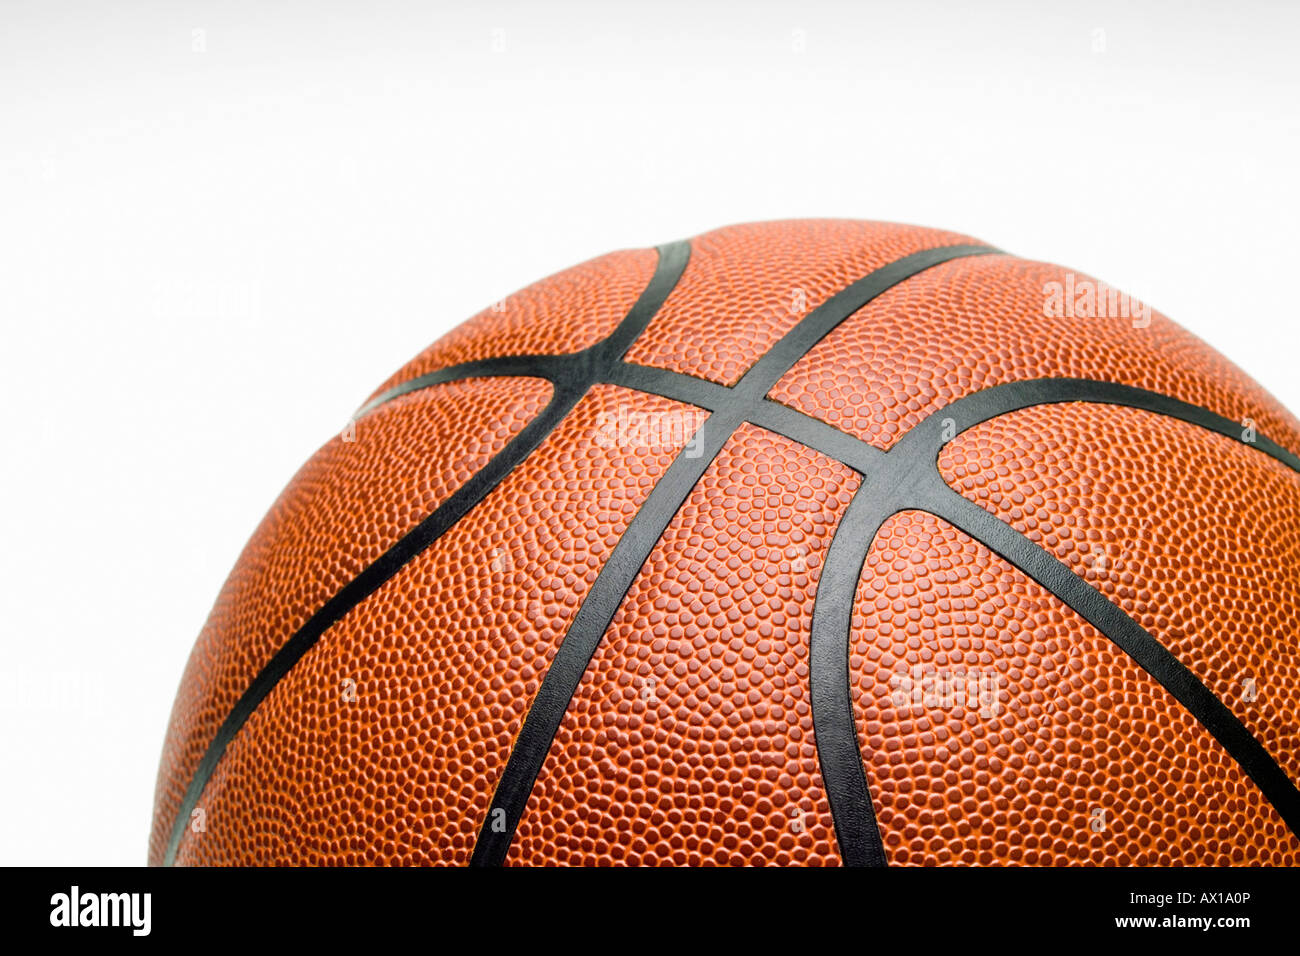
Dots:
(589, 365)
(647, 526)
(769, 414)
(846, 448)
(549, 367)
(1130, 637)
(979, 407)
(677, 386)
(909, 479)
(570, 383)
(586, 367)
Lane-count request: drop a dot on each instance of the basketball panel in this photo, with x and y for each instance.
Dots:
(383, 743)
(981, 321)
(748, 285)
(1195, 535)
(350, 502)
(567, 312)
(689, 740)
(999, 727)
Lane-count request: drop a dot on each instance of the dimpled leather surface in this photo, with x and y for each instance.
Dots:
(690, 737)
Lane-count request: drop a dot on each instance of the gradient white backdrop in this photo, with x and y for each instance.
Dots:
(222, 224)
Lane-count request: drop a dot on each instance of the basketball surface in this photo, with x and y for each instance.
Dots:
(812, 542)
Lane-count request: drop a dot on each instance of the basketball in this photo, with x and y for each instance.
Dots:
(814, 542)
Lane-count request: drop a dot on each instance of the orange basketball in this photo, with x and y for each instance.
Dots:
(809, 542)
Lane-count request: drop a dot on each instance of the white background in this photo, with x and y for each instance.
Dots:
(221, 225)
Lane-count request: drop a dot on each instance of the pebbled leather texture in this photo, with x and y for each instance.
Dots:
(690, 737)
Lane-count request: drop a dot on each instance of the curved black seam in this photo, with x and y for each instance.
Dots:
(979, 407)
(910, 480)
(589, 365)
(646, 527)
(830, 682)
(570, 383)
(1134, 640)
(817, 435)
(973, 409)
(549, 367)
(573, 373)
(769, 414)
(676, 386)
